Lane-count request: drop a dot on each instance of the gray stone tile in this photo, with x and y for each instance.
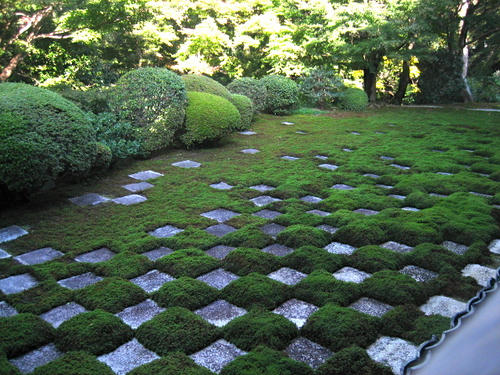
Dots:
(392, 352)
(418, 274)
(484, 174)
(311, 199)
(220, 312)
(218, 278)
(296, 311)
(288, 123)
(28, 362)
(321, 157)
(90, 199)
(166, 231)
(100, 255)
(130, 199)
(264, 200)
(380, 132)
(152, 281)
(60, 314)
(327, 228)
(436, 150)
(134, 316)
(383, 157)
(445, 173)
(262, 188)
(342, 187)
(318, 212)
(220, 251)
(371, 175)
(247, 132)
(481, 194)
(356, 133)
(365, 211)
(442, 305)
(340, 248)
(278, 250)
(138, 187)
(371, 307)
(38, 256)
(347, 149)
(351, 275)
(290, 158)
(399, 166)
(300, 132)
(411, 209)
(397, 247)
(494, 246)
(217, 356)
(250, 151)
(330, 167)
(287, 276)
(481, 274)
(155, 254)
(11, 233)
(4, 254)
(437, 195)
(7, 310)
(455, 247)
(80, 281)
(220, 230)
(272, 229)
(17, 283)
(397, 196)
(187, 164)
(267, 214)
(308, 352)
(127, 357)
(384, 186)
(145, 175)
(220, 215)
(222, 186)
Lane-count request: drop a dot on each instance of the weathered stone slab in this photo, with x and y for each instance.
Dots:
(311, 199)
(152, 281)
(130, 199)
(481, 194)
(262, 188)
(397, 247)
(419, 274)
(90, 199)
(100, 255)
(17, 283)
(220, 230)
(399, 166)
(397, 196)
(442, 305)
(494, 246)
(385, 186)
(365, 211)
(264, 200)
(28, 362)
(221, 186)
(371, 307)
(351, 275)
(290, 158)
(134, 316)
(247, 132)
(411, 209)
(267, 214)
(437, 195)
(355, 133)
(347, 149)
(278, 250)
(145, 175)
(155, 254)
(371, 175)
(4, 254)
(187, 164)
(38, 256)
(60, 314)
(296, 311)
(383, 157)
(327, 228)
(218, 278)
(127, 357)
(220, 251)
(318, 212)
(444, 173)
(272, 229)
(287, 276)
(11, 233)
(138, 187)
(455, 247)
(220, 312)
(166, 231)
(393, 352)
(342, 187)
(340, 248)
(481, 274)
(250, 151)
(300, 132)
(7, 310)
(308, 352)
(80, 281)
(321, 157)
(380, 132)
(220, 215)
(287, 123)
(330, 167)
(217, 356)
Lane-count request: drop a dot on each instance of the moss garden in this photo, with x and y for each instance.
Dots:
(304, 246)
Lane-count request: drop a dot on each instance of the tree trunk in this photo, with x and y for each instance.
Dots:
(369, 84)
(466, 10)
(404, 79)
(9, 69)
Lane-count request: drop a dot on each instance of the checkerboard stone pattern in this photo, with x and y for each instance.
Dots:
(327, 228)
(330, 167)
(217, 355)
(262, 188)
(318, 212)
(96, 256)
(264, 200)
(156, 254)
(7, 310)
(342, 187)
(38, 256)
(311, 199)
(218, 278)
(220, 215)
(4, 254)
(220, 230)
(250, 151)
(418, 274)
(287, 276)
(352, 275)
(220, 251)
(442, 305)
(371, 307)
(152, 281)
(60, 314)
(79, 281)
(134, 316)
(267, 214)
(127, 357)
(220, 312)
(340, 248)
(278, 250)
(131, 199)
(290, 158)
(397, 247)
(11, 233)
(17, 283)
(165, 231)
(28, 362)
(187, 164)
(393, 352)
(455, 247)
(138, 187)
(90, 199)
(272, 229)
(308, 352)
(221, 186)
(145, 175)
(296, 311)
(481, 274)
(494, 246)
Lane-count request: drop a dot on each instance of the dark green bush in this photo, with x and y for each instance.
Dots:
(252, 88)
(243, 261)
(302, 235)
(205, 84)
(321, 88)
(245, 107)
(308, 258)
(187, 262)
(185, 292)
(375, 258)
(74, 363)
(208, 118)
(282, 94)
(352, 361)
(96, 332)
(353, 99)
(154, 101)
(94, 100)
(42, 137)
(126, 264)
(394, 288)
(176, 329)
(171, 364)
(103, 156)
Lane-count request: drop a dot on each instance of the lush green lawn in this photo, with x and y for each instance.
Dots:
(412, 137)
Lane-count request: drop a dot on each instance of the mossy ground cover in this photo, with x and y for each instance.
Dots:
(428, 141)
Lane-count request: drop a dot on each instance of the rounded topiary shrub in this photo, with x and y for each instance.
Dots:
(154, 101)
(245, 108)
(282, 94)
(206, 84)
(42, 137)
(208, 118)
(353, 99)
(252, 88)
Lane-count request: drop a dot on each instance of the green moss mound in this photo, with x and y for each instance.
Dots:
(360, 233)
(205, 84)
(171, 364)
(42, 137)
(374, 258)
(249, 236)
(154, 101)
(394, 288)
(185, 292)
(126, 264)
(282, 94)
(353, 99)
(187, 262)
(208, 118)
(74, 363)
(309, 258)
(352, 361)
(96, 332)
(243, 261)
(260, 328)
(296, 236)
(245, 108)
(176, 329)
(252, 88)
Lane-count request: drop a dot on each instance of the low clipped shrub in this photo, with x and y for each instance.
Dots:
(352, 361)
(187, 262)
(246, 109)
(375, 258)
(172, 364)
(205, 84)
(252, 88)
(154, 101)
(103, 156)
(208, 118)
(185, 292)
(94, 100)
(282, 94)
(42, 137)
(353, 99)
(243, 261)
(308, 258)
(321, 88)
(74, 363)
(176, 329)
(125, 264)
(301, 235)
(394, 288)
(96, 332)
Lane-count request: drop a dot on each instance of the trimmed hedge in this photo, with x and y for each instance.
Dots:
(353, 99)
(205, 84)
(282, 94)
(74, 363)
(245, 107)
(252, 88)
(185, 292)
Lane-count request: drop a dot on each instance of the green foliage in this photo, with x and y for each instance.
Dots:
(126, 264)
(252, 88)
(185, 292)
(374, 258)
(245, 108)
(154, 101)
(352, 361)
(243, 261)
(176, 329)
(208, 118)
(282, 94)
(394, 288)
(205, 84)
(74, 363)
(187, 262)
(308, 258)
(94, 100)
(360, 233)
(321, 88)
(301, 235)
(249, 236)
(96, 332)
(7, 368)
(42, 137)
(486, 89)
(426, 326)
(353, 99)
(103, 156)
(171, 364)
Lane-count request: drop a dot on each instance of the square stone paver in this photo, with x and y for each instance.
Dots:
(166, 231)
(330, 167)
(152, 281)
(418, 274)
(220, 230)
(79, 281)
(155, 254)
(455, 247)
(187, 164)
(288, 123)
(321, 157)
(397, 247)
(318, 212)
(38, 256)
(481, 194)
(138, 187)
(371, 307)
(393, 352)
(437, 195)
(7, 310)
(445, 173)
(351, 275)
(347, 149)
(397, 196)
(399, 166)
(356, 133)
(130, 199)
(145, 175)
(127, 357)
(220, 251)
(134, 316)
(11, 233)
(218, 278)
(100, 255)
(60, 314)
(267, 214)
(247, 132)
(4, 254)
(290, 158)
(308, 352)
(90, 199)
(388, 187)
(220, 312)
(220, 215)
(278, 250)
(365, 211)
(342, 187)
(287, 276)
(442, 305)
(327, 228)
(218, 355)
(311, 199)
(371, 175)
(494, 246)
(28, 362)
(272, 229)
(410, 209)
(340, 248)
(383, 157)
(262, 188)
(481, 274)
(17, 283)
(296, 311)
(300, 132)
(222, 186)
(264, 200)
(250, 151)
